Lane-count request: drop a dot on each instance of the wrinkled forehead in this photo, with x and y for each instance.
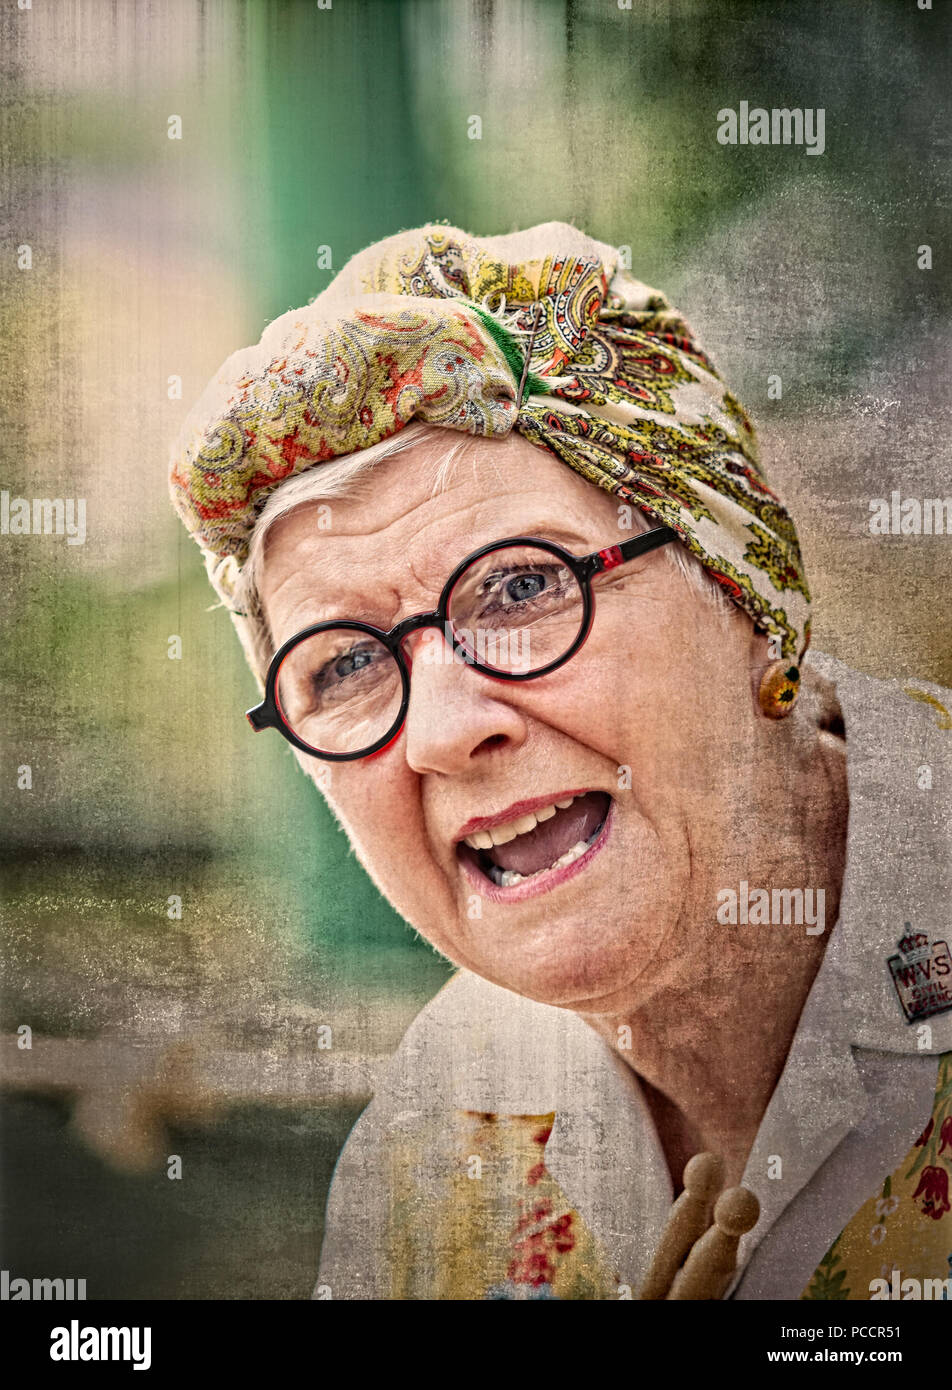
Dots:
(442, 488)
(407, 521)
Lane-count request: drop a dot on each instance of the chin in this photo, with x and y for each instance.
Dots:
(566, 962)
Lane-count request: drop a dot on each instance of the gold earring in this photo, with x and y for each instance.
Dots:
(779, 689)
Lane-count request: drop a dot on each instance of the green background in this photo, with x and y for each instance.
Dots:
(305, 128)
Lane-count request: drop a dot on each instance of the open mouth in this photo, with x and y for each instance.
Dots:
(543, 841)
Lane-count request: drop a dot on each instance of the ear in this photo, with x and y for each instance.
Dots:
(760, 657)
(775, 680)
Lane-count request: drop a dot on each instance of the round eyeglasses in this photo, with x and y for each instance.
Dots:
(515, 610)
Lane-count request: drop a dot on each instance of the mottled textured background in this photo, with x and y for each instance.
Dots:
(152, 258)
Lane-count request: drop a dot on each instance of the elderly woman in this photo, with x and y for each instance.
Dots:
(502, 556)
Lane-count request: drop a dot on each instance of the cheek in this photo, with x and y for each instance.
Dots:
(658, 687)
(364, 797)
(378, 805)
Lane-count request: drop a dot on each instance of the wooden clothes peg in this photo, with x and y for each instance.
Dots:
(689, 1219)
(709, 1268)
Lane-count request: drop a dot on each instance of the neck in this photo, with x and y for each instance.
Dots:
(711, 1029)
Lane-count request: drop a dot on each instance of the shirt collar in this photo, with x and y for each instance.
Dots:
(898, 863)
(897, 871)
(479, 1047)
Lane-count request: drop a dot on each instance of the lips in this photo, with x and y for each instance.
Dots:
(547, 838)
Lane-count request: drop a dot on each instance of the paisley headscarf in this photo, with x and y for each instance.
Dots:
(543, 331)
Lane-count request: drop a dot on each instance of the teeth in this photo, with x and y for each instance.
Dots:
(570, 855)
(524, 824)
(502, 834)
(508, 878)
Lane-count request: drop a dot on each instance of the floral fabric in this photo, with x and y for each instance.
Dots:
(906, 1226)
(488, 1221)
(435, 325)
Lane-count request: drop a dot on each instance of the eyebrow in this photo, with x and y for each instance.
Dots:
(569, 539)
(328, 612)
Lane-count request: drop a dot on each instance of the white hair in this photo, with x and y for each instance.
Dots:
(343, 477)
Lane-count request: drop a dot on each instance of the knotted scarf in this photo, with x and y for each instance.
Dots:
(543, 331)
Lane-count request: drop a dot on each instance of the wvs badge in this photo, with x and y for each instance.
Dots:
(922, 974)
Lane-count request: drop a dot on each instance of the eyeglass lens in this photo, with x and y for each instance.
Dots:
(515, 611)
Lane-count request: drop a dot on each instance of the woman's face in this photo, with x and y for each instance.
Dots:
(638, 732)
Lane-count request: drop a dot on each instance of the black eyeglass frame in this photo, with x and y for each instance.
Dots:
(267, 715)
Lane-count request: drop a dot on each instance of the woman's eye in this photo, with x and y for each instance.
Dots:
(524, 586)
(345, 665)
(519, 586)
(351, 661)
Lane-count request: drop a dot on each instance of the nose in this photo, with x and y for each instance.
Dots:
(455, 714)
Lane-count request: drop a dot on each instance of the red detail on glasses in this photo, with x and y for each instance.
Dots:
(611, 557)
